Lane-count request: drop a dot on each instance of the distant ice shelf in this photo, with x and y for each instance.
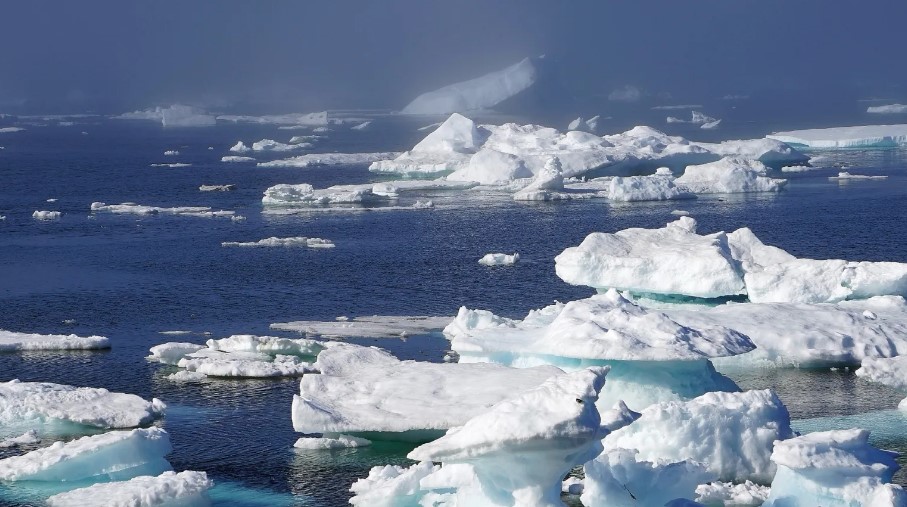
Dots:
(866, 136)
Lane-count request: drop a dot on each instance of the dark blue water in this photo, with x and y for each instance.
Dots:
(130, 277)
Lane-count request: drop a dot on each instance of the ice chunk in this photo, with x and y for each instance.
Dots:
(618, 416)
(649, 260)
(891, 371)
(272, 145)
(319, 159)
(364, 389)
(731, 433)
(479, 93)
(550, 179)
(362, 126)
(267, 345)
(241, 356)
(171, 152)
(499, 259)
(710, 125)
(138, 209)
(728, 175)
(657, 187)
(216, 188)
(522, 447)
(391, 486)
(617, 479)
(47, 215)
(770, 152)
(235, 159)
(173, 165)
(834, 469)
(305, 194)
(172, 352)
(492, 167)
(13, 341)
(888, 109)
(844, 175)
(337, 442)
(114, 455)
(867, 136)
(746, 494)
(376, 326)
(46, 402)
(184, 489)
(240, 147)
(284, 242)
(29, 437)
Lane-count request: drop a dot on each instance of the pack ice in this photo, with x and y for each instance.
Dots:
(13, 341)
(652, 357)
(866, 136)
(171, 489)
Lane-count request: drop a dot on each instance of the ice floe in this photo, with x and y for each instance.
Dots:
(9, 130)
(177, 115)
(139, 209)
(171, 153)
(867, 136)
(336, 442)
(890, 371)
(731, 433)
(376, 326)
(367, 390)
(770, 152)
(173, 165)
(272, 145)
(479, 93)
(657, 187)
(727, 176)
(13, 341)
(362, 126)
(183, 489)
(304, 194)
(46, 215)
(29, 437)
(294, 119)
(499, 259)
(834, 469)
(240, 147)
(319, 159)
(284, 242)
(216, 188)
(236, 159)
(844, 175)
(888, 109)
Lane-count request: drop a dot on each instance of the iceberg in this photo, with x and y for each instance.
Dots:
(321, 159)
(9, 130)
(272, 145)
(305, 194)
(240, 147)
(731, 433)
(770, 152)
(546, 185)
(447, 148)
(170, 489)
(727, 176)
(376, 326)
(392, 486)
(890, 371)
(499, 259)
(617, 479)
(888, 109)
(284, 242)
(657, 187)
(46, 215)
(867, 136)
(116, 455)
(29, 437)
(365, 390)
(834, 469)
(171, 153)
(479, 93)
(521, 448)
(652, 358)
(172, 352)
(492, 167)
(34, 403)
(11, 341)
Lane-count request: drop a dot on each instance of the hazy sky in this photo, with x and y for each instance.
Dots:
(122, 54)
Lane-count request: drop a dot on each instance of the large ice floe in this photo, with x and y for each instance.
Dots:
(170, 489)
(62, 407)
(375, 326)
(11, 341)
(866, 136)
(240, 356)
(652, 357)
(177, 115)
(365, 391)
(321, 159)
(139, 209)
(304, 194)
(115, 455)
(731, 433)
(514, 454)
(479, 93)
(834, 469)
(675, 260)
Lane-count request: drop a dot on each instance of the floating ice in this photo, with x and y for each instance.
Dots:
(216, 188)
(177, 115)
(768, 151)
(731, 433)
(45, 403)
(362, 126)
(284, 242)
(728, 175)
(548, 181)
(184, 489)
(187, 376)
(697, 118)
(746, 494)
(376, 326)
(240, 147)
(337, 442)
(844, 175)
(46, 215)
(9, 130)
(319, 159)
(617, 479)
(492, 167)
(172, 166)
(235, 159)
(652, 358)
(590, 125)
(888, 109)
(171, 152)
(657, 187)
(868, 136)
(392, 486)
(138, 209)
(710, 125)
(891, 371)
(29, 437)
(13, 341)
(305, 194)
(272, 145)
(834, 469)
(295, 119)
(364, 389)
(172, 352)
(447, 148)
(479, 93)
(116, 455)
(499, 259)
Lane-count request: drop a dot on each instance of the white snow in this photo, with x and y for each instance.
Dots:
(731, 433)
(284, 242)
(479, 93)
(499, 259)
(47, 215)
(139, 209)
(548, 181)
(888, 109)
(13, 341)
(844, 175)
(114, 455)
(241, 356)
(337, 442)
(890, 371)
(365, 389)
(172, 352)
(834, 469)
(492, 167)
(728, 175)
(867, 136)
(391, 486)
(376, 326)
(319, 159)
(746, 494)
(768, 151)
(235, 159)
(184, 489)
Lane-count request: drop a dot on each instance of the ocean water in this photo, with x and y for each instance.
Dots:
(133, 277)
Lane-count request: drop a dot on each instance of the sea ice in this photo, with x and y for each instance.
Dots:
(305, 194)
(172, 352)
(834, 469)
(8, 130)
(770, 152)
(284, 242)
(294, 119)
(731, 433)
(29, 437)
(170, 489)
(365, 389)
(272, 145)
(548, 182)
(46, 215)
(171, 152)
(376, 326)
(13, 341)
(240, 147)
(362, 126)
(499, 259)
(479, 93)
(392, 486)
(319, 159)
(868, 136)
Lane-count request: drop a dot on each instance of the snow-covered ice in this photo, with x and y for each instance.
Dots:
(770, 152)
(170, 489)
(657, 187)
(728, 175)
(172, 352)
(272, 145)
(216, 188)
(888, 109)
(866, 136)
(305, 194)
(335, 442)
(284, 242)
(479, 93)
(139, 209)
(171, 153)
(173, 165)
(890, 371)
(375, 326)
(499, 259)
(844, 175)
(236, 159)
(46, 215)
(29, 437)
(319, 159)
(294, 119)
(240, 147)
(9, 130)
(731, 433)
(745, 494)
(365, 389)
(13, 341)
(177, 115)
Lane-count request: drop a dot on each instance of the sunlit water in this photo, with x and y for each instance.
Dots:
(131, 277)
